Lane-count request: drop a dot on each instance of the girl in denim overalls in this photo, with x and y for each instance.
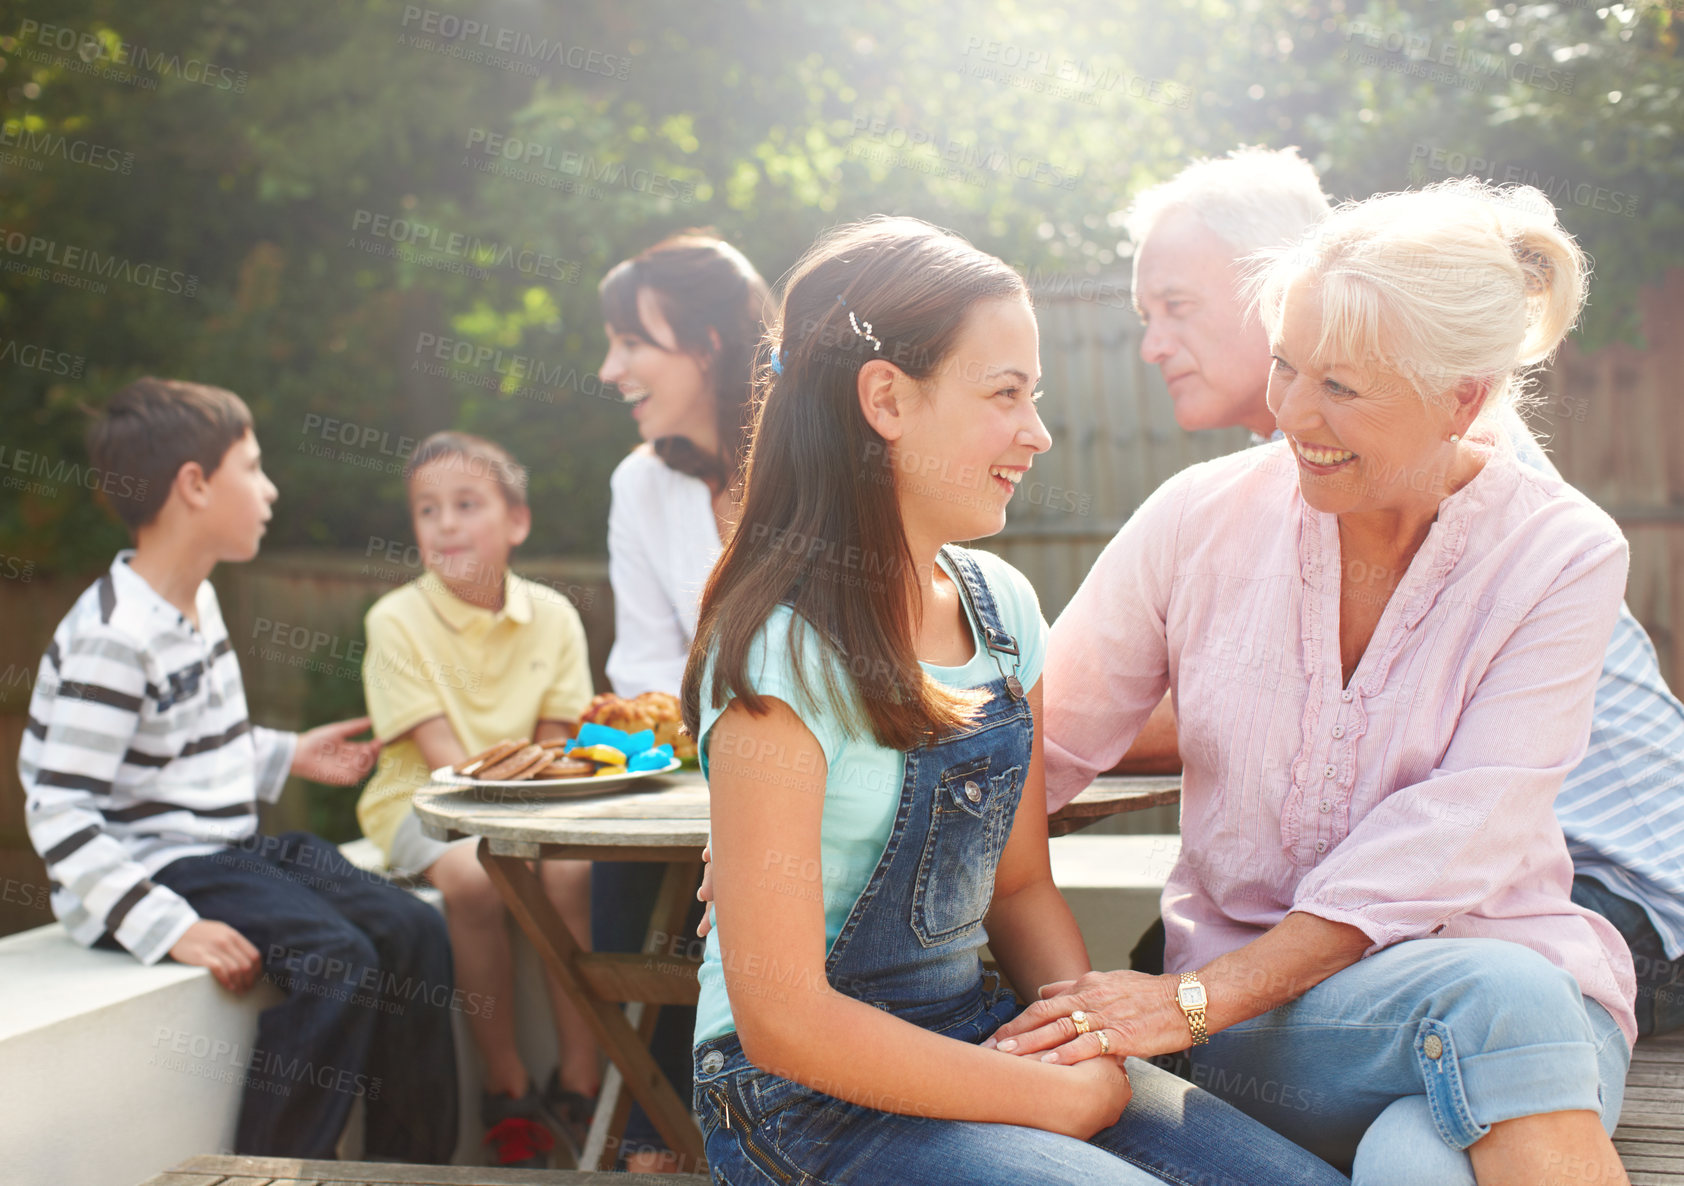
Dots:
(864, 695)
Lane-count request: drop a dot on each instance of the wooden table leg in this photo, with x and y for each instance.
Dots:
(522, 891)
(666, 924)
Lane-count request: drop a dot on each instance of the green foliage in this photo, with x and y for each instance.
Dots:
(1026, 127)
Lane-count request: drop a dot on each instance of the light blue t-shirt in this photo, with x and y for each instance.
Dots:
(862, 779)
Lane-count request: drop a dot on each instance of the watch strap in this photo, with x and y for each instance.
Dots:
(1195, 1017)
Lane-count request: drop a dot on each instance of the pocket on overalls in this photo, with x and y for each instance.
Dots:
(970, 820)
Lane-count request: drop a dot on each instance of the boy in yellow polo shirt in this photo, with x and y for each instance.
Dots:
(465, 656)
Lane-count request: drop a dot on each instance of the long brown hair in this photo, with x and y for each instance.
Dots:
(703, 283)
(821, 522)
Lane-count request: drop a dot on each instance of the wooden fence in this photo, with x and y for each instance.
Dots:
(1115, 439)
(296, 620)
(1614, 431)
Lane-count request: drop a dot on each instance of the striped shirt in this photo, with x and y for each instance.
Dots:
(138, 752)
(1622, 807)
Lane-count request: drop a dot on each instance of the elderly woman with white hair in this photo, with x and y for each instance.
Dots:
(1382, 636)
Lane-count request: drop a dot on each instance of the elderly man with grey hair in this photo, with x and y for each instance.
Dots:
(1622, 807)
(1191, 237)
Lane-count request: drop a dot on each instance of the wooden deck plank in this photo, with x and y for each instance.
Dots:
(1645, 1114)
(1670, 1166)
(213, 1169)
(1653, 1137)
(1671, 1147)
(1650, 1139)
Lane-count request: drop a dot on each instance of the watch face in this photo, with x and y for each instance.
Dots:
(1191, 996)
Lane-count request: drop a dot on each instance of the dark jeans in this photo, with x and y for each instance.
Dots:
(623, 897)
(1660, 981)
(367, 975)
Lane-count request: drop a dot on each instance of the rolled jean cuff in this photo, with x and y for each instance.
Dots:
(1522, 1081)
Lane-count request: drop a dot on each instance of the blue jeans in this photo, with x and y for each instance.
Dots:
(1660, 980)
(1398, 1063)
(369, 987)
(781, 1132)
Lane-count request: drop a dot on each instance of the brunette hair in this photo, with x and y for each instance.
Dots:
(474, 455)
(813, 521)
(703, 283)
(152, 428)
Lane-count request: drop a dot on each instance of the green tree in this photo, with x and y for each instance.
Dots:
(393, 215)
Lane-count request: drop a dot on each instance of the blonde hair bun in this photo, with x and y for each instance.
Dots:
(1462, 279)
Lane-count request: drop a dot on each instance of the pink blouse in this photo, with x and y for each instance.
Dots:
(1418, 801)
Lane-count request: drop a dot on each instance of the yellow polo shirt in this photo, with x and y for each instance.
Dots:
(490, 674)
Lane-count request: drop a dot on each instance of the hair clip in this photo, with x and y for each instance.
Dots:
(876, 343)
(778, 361)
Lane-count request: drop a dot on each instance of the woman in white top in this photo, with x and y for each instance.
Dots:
(683, 321)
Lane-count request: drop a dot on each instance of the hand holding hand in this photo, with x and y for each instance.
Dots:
(326, 754)
(1100, 1093)
(1137, 1013)
(228, 954)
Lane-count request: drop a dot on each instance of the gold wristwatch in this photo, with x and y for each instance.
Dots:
(1190, 995)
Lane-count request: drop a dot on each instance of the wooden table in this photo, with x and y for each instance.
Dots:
(1110, 796)
(668, 826)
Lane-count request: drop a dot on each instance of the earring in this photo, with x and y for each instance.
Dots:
(1454, 438)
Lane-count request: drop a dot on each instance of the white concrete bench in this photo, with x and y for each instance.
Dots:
(1113, 885)
(111, 1071)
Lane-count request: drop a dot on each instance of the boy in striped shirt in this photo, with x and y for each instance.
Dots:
(143, 774)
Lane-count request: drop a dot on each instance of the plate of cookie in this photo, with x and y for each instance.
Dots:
(559, 766)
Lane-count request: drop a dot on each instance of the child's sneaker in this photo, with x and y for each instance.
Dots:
(515, 1130)
(572, 1113)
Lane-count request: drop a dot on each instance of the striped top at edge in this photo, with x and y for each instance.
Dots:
(138, 752)
(1622, 807)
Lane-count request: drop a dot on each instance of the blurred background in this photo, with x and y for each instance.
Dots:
(375, 220)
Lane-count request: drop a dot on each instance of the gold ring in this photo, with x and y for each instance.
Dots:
(1104, 1042)
(1081, 1021)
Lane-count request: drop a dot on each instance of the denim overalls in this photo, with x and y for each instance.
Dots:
(910, 947)
(957, 800)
